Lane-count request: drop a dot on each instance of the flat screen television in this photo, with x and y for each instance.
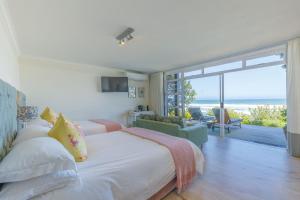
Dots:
(114, 84)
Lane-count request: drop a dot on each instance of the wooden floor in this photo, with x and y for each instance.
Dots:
(243, 170)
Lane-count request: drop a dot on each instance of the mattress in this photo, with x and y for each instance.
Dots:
(121, 166)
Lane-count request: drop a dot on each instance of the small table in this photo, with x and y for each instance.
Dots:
(133, 115)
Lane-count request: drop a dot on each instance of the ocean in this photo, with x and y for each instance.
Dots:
(238, 105)
(243, 101)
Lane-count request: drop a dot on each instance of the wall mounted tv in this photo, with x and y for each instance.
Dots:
(114, 84)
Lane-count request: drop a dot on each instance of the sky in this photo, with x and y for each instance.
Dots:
(262, 83)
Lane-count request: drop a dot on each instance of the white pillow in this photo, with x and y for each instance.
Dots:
(35, 157)
(40, 122)
(23, 190)
(31, 131)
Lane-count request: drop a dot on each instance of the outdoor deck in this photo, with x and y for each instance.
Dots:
(259, 134)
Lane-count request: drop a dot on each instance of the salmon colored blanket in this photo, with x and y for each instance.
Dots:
(109, 125)
(180, 149)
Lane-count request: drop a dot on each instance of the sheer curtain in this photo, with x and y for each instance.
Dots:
(156, 93)
(293, 97)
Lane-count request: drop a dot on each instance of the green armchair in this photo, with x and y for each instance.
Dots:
(196, 133)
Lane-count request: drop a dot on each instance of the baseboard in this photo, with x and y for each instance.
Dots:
(293, 140)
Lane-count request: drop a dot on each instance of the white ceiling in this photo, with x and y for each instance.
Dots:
(169, 33)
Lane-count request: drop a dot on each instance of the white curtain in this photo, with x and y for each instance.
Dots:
(156, 94)
(293, 97)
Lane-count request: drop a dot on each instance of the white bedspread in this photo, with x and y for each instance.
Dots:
(122, 167)
(91, 128)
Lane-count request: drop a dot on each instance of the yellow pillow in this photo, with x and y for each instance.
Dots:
(49, 115)
(67, 134)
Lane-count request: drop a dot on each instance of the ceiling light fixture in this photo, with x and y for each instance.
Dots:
(129, 37)
(121, 42)
(125, 36)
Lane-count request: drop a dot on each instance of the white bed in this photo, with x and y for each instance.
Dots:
(87, 127)
(122, 166)
(91, 128)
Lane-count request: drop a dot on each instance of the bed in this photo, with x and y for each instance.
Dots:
(92, 127)
(87, 127)
(116, 170)
(119, 166)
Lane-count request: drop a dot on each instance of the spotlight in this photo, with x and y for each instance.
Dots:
(129, 37)
(121, 42)
(125, 36)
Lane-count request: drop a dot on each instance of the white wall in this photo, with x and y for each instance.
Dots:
(72, 89)
(9, 68)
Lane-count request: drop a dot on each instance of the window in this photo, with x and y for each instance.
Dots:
(265, 59)
(224, 67)
(174, 86)
(173, 95)
(191, 73)
(175, 100)
(171, 77)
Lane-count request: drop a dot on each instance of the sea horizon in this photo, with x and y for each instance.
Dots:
(238, 105)
(244, 101)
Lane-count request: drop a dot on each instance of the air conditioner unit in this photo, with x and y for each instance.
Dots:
(136, 76)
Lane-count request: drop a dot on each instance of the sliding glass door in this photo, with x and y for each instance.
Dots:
(174, 95)
(205, 102)
(197, 93)
(255, 101)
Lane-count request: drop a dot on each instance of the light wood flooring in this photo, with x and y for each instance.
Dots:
(240, 170)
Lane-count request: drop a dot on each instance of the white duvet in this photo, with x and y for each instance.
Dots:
(91, 128)
(121, 167)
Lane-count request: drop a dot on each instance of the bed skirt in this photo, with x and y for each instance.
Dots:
(164, 191)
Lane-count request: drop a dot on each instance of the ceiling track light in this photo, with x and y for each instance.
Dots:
(121, 42)
(129, 37)
(125, 36)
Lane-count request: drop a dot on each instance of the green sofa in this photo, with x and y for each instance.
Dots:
(196, 133)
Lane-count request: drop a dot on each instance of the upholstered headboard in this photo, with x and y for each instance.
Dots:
(8, 115)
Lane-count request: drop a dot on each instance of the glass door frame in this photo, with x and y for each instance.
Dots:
(243, 59)
(221, 96)
(222, 102)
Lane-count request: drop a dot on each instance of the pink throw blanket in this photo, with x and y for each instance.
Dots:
(180, 149)
(109, 125)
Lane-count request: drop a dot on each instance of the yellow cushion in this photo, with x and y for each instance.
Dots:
(67, 134)
(49, 115)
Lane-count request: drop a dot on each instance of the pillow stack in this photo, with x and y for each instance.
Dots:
(30, 132)
(36, 166)
(38, 163)
(66, 133)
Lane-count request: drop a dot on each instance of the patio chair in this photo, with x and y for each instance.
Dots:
(198, 115)
(228, 122)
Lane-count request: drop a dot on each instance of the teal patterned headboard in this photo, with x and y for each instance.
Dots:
(8, 117)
